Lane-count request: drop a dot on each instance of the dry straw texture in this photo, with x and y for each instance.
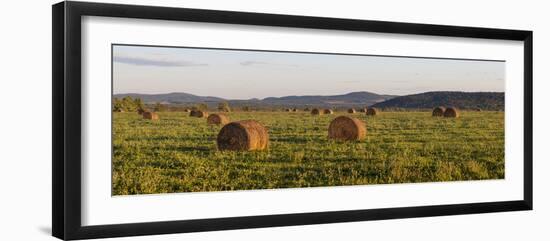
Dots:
(345, 128)
(451, 112)
(198, 113)
(372, 111)
(245, 135)
(217, 119)
(316, 112)
(438, 111)
(328, 111)
(351, 111)
(150, 115)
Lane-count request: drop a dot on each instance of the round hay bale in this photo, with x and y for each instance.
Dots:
(351, 111)
(328, 112)
(288, 110)
(372, 111)
(245, 135)
(316, 112)
(217, 119)
(345, 128)
(150, 115)
(198, 113)
(451, 112)
(186, 110)
(477, 109)
(438, 111)
(294, 110)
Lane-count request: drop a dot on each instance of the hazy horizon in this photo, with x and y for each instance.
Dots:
(237, 74)
(130, 93)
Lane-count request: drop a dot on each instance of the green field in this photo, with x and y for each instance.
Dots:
(178, 153)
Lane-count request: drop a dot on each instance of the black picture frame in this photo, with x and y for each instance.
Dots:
(66, 127)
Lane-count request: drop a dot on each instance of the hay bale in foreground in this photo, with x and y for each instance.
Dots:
(316, 112)
(150, 115)
(351, 111)
(438, 111)
(328, 111)
(372, 111)
(451, 112)
(345, 128)
(217, 119)
(245, 135)
(198, 113)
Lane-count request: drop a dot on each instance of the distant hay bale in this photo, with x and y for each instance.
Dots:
(316, 111)
(198, 113)
(245, 135)
(186, 110)
(217, 119)
(372, 111)
(288, 110)
(351, 111)
(477, 109)
(438, 111)
(294, 110)
(306, 109)
(328, 112)
(451, 112)
(345, 128)
(150, 115)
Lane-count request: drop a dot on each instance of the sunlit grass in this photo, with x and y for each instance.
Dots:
(178, 153)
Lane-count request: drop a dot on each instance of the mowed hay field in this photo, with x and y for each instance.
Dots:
(178, 153)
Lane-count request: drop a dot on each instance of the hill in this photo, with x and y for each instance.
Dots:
(462, 100)
(358, 99)
(171, 98)
(351, 99)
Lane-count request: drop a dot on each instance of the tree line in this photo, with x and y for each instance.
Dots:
(129, 104)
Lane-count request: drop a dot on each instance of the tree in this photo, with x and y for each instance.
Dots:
(202, 106)
(138, 103)
(128, 104)
(117, 105)
(159, 107)
(224, 106)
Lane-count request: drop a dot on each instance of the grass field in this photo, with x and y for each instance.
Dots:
(178, 153)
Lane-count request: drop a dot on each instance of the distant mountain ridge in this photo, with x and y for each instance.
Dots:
(462, 100)
(171, 98)
(427, 100)
(361, 98)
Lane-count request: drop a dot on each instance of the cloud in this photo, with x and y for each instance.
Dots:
(252, 63)
(141, 61)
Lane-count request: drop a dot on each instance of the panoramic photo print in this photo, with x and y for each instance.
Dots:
(201, 119)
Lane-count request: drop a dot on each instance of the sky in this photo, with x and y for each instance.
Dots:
(238, 74)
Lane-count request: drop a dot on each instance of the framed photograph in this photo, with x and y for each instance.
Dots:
(172, 120)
